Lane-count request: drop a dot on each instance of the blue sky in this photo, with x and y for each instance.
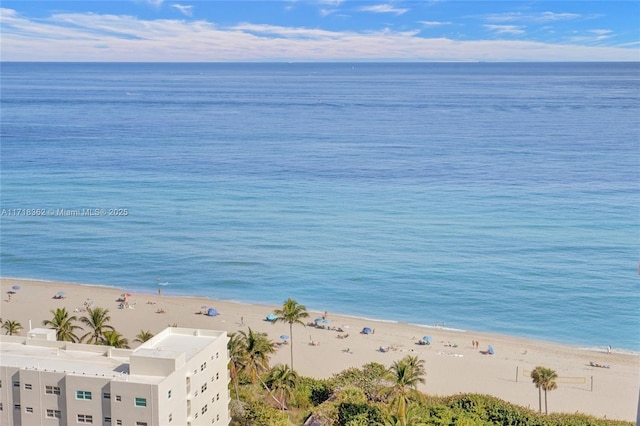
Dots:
(320, 30)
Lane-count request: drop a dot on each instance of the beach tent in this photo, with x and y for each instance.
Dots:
(367, 330)
(212, 312)
(426, 339)
(490, 350)
(272, 317)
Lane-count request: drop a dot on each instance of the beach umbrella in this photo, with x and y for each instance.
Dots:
(490, 350)
(284, 337)
(322, 320)
(345, 326)
(272, 317)
(125, 295)
(426, 339)
(367, 330)
(62, 293)
(212, 312)
(15, 287)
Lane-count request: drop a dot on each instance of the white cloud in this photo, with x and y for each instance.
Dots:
(94, 37)
(433, 23)
(505, 29)
(327, 12)
(186, 10)
(384, 8)
(592, 36)
(534, 17)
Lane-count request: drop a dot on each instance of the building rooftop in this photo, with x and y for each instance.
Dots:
(33, 352)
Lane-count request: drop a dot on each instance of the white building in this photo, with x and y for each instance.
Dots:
(178, 378)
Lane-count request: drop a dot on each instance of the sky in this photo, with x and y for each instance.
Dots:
(319, 30)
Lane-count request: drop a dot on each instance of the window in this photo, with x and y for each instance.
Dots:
(16, 406)
(16, 384)
(118, 398)
(106, 395)
(195, 416)
(83, 395)
(52, 390)
(54, 414)
(28, 386)
(85, 418)
(217, 376)
(217, 354)
(169, 394)
(217, 396)
(28, 410)
(204, 409)
(170, 417)
(141, 402)
(107, 419)
(119, 422)
(203, 387)
(141, 423)
(1, 407)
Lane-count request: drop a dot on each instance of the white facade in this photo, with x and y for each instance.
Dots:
(178, 378)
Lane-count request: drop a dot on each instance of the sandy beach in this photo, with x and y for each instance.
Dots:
(453, 365)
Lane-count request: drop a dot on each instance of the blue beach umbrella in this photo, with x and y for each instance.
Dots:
(15, 287)
(426, 339)
(284, 337)
(490, 350)
(367, 330)
(212, 312)
(272, 317)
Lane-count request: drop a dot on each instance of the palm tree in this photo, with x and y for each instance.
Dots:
(237, 354)
(291, 313)
(12, 327)
(258, 349)
(282, 380)
(143, 336)
(405, 375)
(115, 339)
(96, 319)
(544, 379)
(64, 325)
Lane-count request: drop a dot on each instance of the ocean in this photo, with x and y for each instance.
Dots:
(498, 197)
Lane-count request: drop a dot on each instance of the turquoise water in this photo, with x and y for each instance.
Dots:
(493, 197)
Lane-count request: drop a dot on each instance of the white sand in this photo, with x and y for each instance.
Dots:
(450, 370)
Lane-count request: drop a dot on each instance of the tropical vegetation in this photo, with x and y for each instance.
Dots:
(97, 319)
(373, 395)
(292, 313)
(63, 324)
(544, 379)
(11, 327)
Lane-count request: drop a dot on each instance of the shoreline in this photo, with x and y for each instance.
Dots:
(145, 291)
(453, 365)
